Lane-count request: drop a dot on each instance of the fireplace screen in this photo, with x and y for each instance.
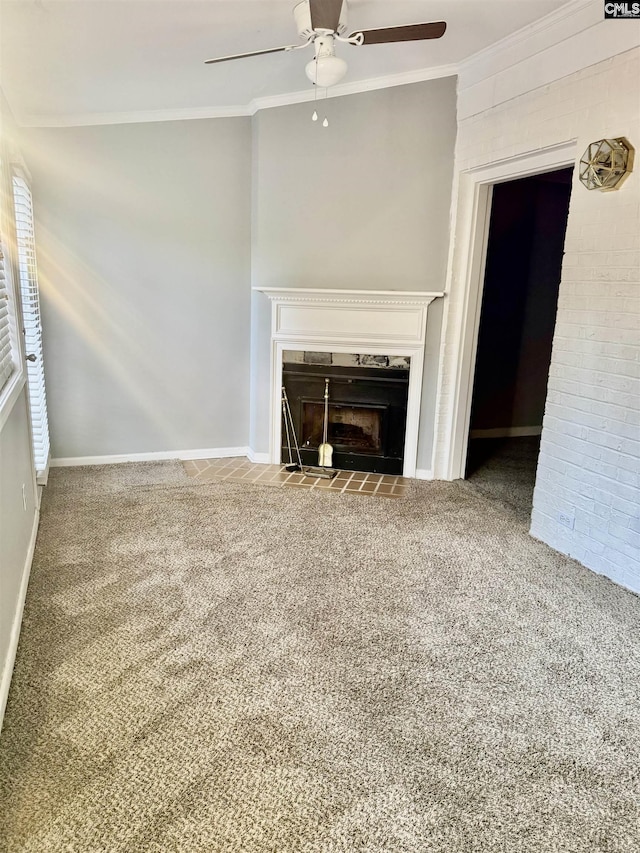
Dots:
(351, 428)
(367, 415)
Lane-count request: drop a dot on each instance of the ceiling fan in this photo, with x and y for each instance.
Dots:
(323, 22)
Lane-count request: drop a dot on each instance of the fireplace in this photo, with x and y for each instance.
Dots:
(367, 414)
(342, 321)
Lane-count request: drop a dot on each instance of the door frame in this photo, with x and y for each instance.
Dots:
(465, 284)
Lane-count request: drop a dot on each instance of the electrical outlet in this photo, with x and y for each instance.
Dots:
(24, 497)
(566, 520)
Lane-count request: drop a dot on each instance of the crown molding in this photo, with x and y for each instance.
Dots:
(250, 109)
(572, 38)
(135, 117)
(525, 34)
(355, 88)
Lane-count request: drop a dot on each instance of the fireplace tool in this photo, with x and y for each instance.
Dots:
(307, 471)
(288, 425)
(325, 451)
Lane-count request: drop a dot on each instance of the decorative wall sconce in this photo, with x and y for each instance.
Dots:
(606, 163)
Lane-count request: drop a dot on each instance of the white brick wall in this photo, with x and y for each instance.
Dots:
(589, 467)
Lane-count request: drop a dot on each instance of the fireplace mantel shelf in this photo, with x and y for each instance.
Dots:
(317, 295)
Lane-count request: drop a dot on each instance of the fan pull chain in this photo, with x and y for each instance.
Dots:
(314, 117)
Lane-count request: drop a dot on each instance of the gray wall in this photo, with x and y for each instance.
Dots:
(17, 519)
(364, 203)
(150, 236)
(16, 526)
(144, 255)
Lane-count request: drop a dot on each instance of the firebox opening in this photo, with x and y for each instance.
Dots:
(367, 408)
(351, 428)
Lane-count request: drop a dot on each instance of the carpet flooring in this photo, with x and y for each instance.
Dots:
(240, 669)
(505, 469)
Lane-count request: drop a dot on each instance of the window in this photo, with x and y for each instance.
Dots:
(7, 365)
(28, 274)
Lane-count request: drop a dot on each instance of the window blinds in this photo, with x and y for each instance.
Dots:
(31, 319)
(6, 360)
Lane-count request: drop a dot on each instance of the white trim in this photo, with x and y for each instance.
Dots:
(506, 432)
(258, 458)
(316, 295)
(18, 165)
(10, 394)
(372, 84)
(524, 34)
(473, 267)
(466, 275)
(12, 389)
(213, 453)
(134, 117)
(423, 474)
(566, 41)
(415, 353)
(238, 110)
(378, 322)
(116, 459)
(535, 162)
(43, 476)
(9, 661)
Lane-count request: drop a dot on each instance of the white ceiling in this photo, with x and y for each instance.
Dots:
(68, 60)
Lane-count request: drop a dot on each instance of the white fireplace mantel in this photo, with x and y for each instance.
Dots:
(375, 322)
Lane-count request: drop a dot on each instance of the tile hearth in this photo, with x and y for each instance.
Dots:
(238, 469)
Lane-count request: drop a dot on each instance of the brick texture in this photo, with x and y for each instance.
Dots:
(587, 496)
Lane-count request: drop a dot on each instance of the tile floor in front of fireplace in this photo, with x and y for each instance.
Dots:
(238, 469)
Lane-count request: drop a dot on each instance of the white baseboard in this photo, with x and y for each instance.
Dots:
(506, 432)
(423, 474)
(7, 668)
(258, 458)
(213, 453)
(202, 453)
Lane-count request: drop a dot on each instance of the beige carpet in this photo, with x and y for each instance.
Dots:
(240, 669)
(505, 469)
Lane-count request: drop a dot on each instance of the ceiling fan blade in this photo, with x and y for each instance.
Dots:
(253, 53)
(411, 32)
(325, 14)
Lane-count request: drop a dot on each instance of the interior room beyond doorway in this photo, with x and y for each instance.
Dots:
(517, 319)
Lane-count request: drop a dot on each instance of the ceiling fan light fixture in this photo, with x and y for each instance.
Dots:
(326, 71)
(323, 22)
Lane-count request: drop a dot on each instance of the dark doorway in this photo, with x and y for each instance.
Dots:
(519, 302)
